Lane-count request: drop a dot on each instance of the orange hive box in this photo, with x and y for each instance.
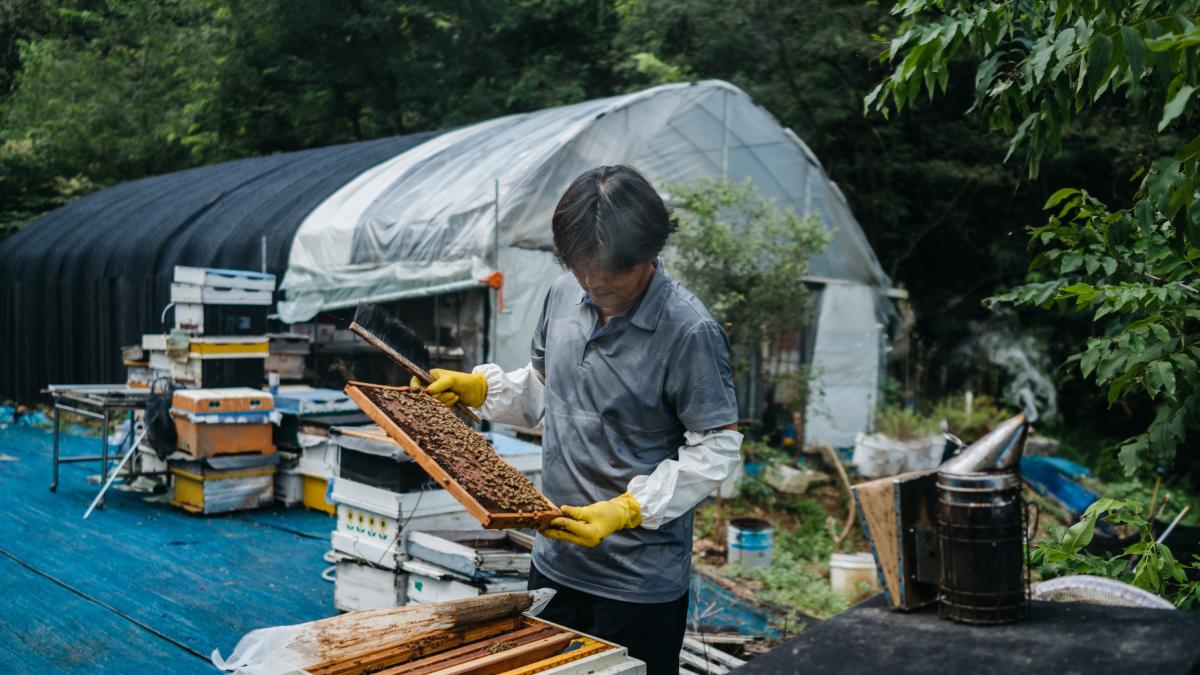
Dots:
(211, 422)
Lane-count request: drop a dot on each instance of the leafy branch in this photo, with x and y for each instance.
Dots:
(1041, 66)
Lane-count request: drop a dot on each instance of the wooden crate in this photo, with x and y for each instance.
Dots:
(203, 439)
(495, 521)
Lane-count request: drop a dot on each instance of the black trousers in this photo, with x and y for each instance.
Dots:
(651, 632)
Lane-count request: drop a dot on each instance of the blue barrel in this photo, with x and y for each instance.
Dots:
(750, 542)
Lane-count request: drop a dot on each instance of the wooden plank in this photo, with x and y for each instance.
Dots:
(712, 653)
(515, 657)
(489, 520)
(471, 651)
(704, 665)
(586, 646)
(403, 362)
(383, 654)
(875, 505)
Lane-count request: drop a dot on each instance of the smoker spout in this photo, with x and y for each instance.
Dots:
(1000, 449)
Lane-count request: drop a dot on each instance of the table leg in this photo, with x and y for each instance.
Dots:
(103, 454)
(54, 473)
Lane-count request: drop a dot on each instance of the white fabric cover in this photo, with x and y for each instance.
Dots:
(845, 366)
(675, 486)
(429, 217)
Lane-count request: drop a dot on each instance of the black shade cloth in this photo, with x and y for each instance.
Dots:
(87, 278)
(1058, 638)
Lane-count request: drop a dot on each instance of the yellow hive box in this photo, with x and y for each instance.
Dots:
(314, 495)
(229, 347)
(224, 485)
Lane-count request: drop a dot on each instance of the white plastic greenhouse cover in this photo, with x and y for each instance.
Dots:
(444, 214)
(846, 365)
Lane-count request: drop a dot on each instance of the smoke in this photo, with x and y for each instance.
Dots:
(1025, 362)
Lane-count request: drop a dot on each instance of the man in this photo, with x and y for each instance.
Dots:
(631, 378)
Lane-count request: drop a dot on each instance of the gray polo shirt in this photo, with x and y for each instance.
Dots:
(617, 404)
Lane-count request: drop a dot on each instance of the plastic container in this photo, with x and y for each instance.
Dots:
(750, 542)
(851, 573)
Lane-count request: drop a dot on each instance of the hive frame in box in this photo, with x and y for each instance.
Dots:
(491, 521)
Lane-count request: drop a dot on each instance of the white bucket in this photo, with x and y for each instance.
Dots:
(851, 573)
(749, 542)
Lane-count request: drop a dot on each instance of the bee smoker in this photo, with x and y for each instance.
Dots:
(981, 527)
(955, 535)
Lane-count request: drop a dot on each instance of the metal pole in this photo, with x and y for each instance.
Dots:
(54, 477)
(494, 296)
(1170, 528)
(264, 254)
(104, 451)
(108, 483)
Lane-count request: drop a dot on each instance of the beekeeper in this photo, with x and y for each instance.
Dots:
(631, 379)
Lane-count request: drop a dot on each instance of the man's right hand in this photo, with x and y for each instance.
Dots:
(451, 386)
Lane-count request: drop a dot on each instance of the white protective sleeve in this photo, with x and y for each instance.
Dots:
(516, 397)
(706, 459)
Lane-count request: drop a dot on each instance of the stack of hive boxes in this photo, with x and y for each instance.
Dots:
(219, 338)
(382, 496)
(308, 459)
(224, 313)
(226, 434)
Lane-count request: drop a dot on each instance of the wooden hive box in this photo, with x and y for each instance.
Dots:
(898, 516)
(539, 518)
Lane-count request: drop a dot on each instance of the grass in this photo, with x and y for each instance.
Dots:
(798, 576)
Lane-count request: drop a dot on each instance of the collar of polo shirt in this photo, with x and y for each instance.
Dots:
(648, 307)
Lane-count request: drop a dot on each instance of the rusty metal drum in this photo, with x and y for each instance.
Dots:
(981, 532)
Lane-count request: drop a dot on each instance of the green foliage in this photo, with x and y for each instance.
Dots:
(744, 257)
(798, 574)
(985, 414)
(1177, 497)
(1044, 64)
(794, 581)
(904, 424)
(1145, 564)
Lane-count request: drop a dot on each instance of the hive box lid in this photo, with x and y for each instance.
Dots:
(224, 278)
(313, 401)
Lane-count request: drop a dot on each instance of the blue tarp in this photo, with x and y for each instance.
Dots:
(140, 586)
(1053, 477)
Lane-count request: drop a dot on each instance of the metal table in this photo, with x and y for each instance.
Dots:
(95, 401)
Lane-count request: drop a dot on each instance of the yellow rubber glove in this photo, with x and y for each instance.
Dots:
(451, 386)
(587, 525)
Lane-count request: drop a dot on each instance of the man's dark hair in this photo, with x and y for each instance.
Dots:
(612, 215)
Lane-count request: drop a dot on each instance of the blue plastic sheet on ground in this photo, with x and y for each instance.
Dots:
(140, 586)
(1052, 477)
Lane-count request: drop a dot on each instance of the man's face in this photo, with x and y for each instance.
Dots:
(614, 292)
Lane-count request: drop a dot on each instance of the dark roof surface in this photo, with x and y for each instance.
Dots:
(82, 280)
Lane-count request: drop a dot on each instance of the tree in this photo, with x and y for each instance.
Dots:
(745, 258)
(1042, 66)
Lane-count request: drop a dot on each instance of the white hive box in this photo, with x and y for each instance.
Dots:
(371, 519)
(359, 586)
(430, 583)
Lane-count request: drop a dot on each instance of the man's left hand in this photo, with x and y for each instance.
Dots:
(587, 525)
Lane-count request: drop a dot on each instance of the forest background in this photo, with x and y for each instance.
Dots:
(97, 92)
